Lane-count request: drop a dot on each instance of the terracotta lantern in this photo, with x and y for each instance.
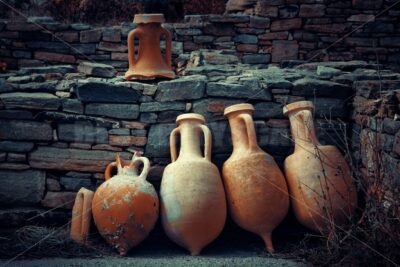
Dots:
(256, 189)
(125, 207)
(319, 178)
(149, 63)
(193, 206)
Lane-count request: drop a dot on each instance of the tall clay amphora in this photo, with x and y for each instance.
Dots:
(193, 206)
(319, 178)
(125, 207)
(255, 186)
(149, 63)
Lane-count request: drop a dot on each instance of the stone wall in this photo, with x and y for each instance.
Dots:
(264, 32)
(376, 139)
(59, 128)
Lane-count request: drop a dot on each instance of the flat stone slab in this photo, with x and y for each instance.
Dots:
(41, 101)
(21, 187)
(72, 159)
(97, 69)
(106, 93)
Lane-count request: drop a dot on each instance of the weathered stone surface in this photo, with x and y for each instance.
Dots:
(119, 111)
(74, 184)
(317, 10)
(286, 24)
(213, 57)
(158, 140)
(119, 131)
(220, 29)
(47, 86)
(391, 126)
(97, 69)
(168, 116)
(54, 57)
(284, 50)
(72, 105)
(43, 101)
(327, 28)
(63, 69)
(16, 146)
(5, 87)
(245, 39)
(64, 200)
(161, 106)
(25, 130)
(112, 47)
(273, 140)
(53, 185)
(257, 59)
(372, 88)
(330, 108)
(82, 133)
(288, 11)
(73, 118)
(267, 110)
(367, 4)
(342, 65)
(213, 108)
(112, 34)
(237, 91)
(148, 117)
(16, 114)
(14, 166)
(314, 87)
(90, 36)
(21, 187)
(121, 140)
(106, 92)
(16, 157)
(72, 159)
(189, 87)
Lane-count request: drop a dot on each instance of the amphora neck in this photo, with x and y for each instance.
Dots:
(190, 133)
(302, 124)
(242, 127)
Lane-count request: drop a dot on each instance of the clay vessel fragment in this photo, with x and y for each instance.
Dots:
(81, 216)
(125, 207)
(255, 186)
(193, 207)
(318, 176)
(149, 63)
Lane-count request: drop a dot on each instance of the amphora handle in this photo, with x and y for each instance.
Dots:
(250, 130)
(133, 164)
(207, 141)
(137, 161)
(172, 144)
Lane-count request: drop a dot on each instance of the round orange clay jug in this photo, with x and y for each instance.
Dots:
(255, 186)
(193, 207)
(319, 179)
(125, 207)
(149, 63)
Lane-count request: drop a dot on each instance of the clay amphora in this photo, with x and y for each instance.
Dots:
(193, 207)
(81, 216)
(319, 178)
(125, 207)
(149, 63)
(255, 186)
